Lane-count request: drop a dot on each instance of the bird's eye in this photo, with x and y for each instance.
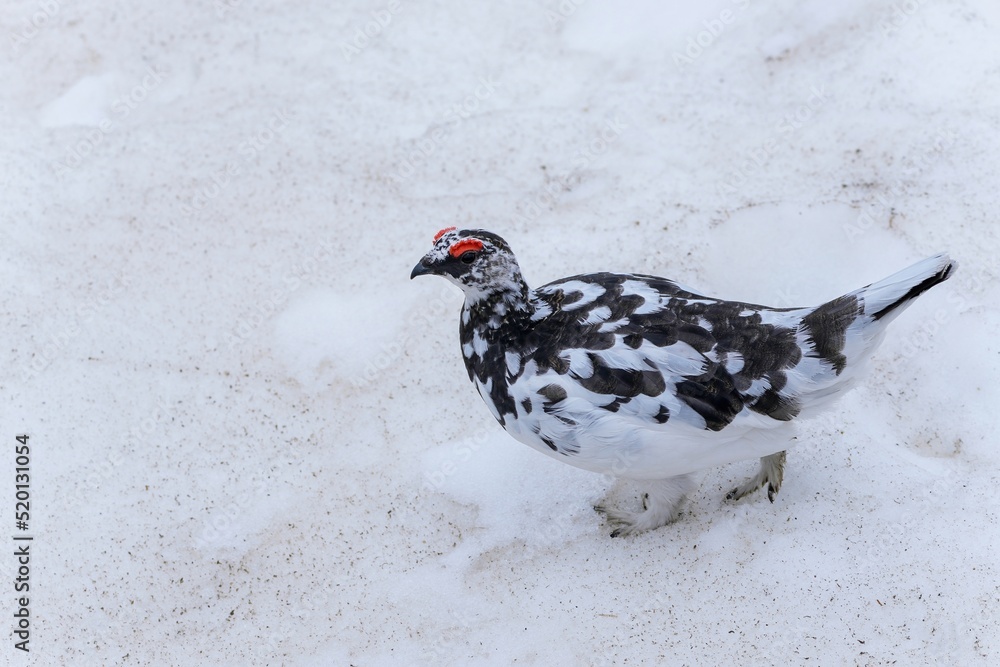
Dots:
(468, 257)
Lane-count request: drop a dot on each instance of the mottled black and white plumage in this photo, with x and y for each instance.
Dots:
(639, 377)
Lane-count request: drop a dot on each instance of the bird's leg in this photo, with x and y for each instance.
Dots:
(661, 505)
(772, 471)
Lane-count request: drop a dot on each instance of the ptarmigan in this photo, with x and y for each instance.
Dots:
(639, 377)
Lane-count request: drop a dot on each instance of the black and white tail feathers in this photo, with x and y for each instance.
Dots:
(887, 298)
(845, 332)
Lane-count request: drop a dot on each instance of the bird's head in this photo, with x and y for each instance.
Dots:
(479, 262)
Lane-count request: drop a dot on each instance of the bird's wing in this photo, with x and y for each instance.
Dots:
(656, 354)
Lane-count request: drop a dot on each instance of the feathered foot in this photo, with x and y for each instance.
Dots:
(661, 505)
(772, 471)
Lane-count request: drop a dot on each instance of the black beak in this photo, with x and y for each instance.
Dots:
(423, 268)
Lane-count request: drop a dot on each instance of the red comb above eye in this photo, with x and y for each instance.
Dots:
(465, 245)
(442, 233)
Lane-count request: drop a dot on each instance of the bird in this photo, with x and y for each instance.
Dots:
(645, 379)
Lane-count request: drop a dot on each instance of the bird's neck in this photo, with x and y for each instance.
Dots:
(499, 309)
(492, 323)
(491, 327)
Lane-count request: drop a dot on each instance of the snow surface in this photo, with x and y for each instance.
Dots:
(253, 438)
